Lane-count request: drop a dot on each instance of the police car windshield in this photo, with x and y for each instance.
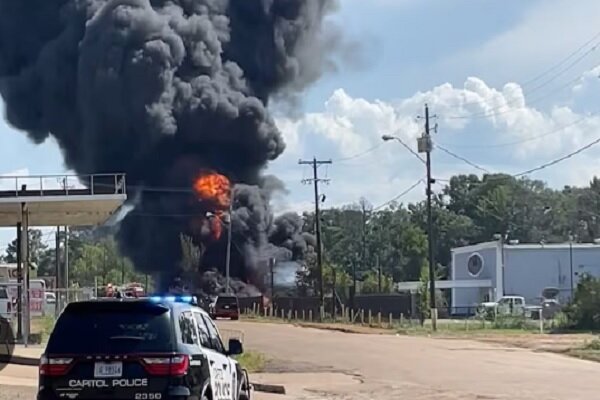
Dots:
(112, 329)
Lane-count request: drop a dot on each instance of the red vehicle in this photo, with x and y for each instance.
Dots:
(225, 306)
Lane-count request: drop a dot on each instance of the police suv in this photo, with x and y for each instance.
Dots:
(157, 348)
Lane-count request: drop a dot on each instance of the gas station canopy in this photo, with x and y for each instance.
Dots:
(60, 200)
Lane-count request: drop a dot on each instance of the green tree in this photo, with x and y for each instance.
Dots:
(370, 283)
(584, 310)
(101, 262)
(36, 248)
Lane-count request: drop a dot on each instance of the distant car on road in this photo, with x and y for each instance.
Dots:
(50, 297)
(158, 348)
(225, 306)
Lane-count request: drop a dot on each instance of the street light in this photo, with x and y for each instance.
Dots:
(228, 222)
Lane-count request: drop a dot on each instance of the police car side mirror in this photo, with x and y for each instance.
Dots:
(235, 347)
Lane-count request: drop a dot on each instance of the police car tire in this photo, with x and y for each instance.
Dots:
(243, 396)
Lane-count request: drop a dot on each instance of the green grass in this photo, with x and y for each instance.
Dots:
(252, 361)
(42, 326)
(590, 350)
(506, 325)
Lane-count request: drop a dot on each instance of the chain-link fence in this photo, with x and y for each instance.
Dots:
(44, 308)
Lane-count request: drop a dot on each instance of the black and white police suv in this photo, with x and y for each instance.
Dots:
(157, 348)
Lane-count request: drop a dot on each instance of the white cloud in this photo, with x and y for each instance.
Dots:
(349, 126)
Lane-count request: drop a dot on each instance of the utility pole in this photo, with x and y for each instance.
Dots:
(57, 275)
(228, 255)
(363, 207)
(19, 283)
(67, 261)
(425, 145)
(122, 272)
(315, 180)
(378, 273)
(571, 265)
(272, 262)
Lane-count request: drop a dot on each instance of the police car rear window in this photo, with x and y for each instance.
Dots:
(112, 329)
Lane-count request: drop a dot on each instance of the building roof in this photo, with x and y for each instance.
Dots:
(551, 246)
(71, 205)
(475, 247)
(525, 246)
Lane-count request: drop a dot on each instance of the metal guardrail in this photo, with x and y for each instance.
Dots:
(62, 185)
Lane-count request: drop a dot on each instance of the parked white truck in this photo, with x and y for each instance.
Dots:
(508, 305)
(515, 305)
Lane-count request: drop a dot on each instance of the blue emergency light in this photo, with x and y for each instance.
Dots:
(174, 299)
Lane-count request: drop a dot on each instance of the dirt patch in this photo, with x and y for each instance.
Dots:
(277, 366)
(17, 392)
(344, 328)
(555, 343)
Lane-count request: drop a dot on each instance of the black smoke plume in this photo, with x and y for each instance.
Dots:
(161, 90)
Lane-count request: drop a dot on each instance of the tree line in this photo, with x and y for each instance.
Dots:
(385, 245)
(94, 258)
(390, 244)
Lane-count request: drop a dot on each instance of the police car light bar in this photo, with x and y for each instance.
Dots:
(174, 299)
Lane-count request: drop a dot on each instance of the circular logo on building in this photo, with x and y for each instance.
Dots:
(7, 343)
(475, 264)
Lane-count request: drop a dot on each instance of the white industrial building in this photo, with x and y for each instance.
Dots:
(487, 271)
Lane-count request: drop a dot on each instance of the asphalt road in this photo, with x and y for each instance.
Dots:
(315, 365)
(419, 367)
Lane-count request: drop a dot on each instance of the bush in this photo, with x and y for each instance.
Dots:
(584, 310)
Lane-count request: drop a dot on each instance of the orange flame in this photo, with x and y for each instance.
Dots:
(215, 189)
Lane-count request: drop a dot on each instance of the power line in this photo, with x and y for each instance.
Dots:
(407, 147)
(551, 69)
(524, 140)
(358, 155)
(539, 167)
(558, 160)
(397, 197)
(461, 158)
(565, 69)
(572, 54)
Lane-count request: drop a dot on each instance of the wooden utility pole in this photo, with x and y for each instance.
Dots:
(315, 181)
(425, 145)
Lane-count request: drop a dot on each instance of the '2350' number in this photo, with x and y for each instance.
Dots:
(148, 396)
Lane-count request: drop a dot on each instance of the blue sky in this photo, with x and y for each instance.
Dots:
(470, 60)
